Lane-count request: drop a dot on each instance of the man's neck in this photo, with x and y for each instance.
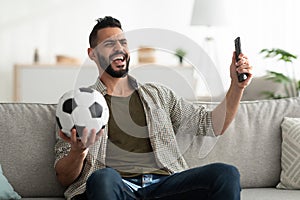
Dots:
(117, 86)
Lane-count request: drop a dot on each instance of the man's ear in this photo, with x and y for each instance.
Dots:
(91, 54)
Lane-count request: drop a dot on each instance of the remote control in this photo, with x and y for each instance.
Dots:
(237, 43)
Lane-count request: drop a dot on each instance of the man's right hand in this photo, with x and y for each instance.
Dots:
(69, 167)
(81, 145)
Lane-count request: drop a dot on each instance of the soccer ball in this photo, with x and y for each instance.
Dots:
(81, 108)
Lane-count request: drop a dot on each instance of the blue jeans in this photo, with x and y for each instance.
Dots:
(214, 181)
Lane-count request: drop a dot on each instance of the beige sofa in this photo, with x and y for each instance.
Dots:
(252, 143)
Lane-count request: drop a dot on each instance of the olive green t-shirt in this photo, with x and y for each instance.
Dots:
(129, 150)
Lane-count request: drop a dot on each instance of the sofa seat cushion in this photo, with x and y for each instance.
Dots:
(269, 194)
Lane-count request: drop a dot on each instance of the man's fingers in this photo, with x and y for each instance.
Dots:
(84, 136)
(87, 139)
(73, 135)
(63, 136)
(91, 138)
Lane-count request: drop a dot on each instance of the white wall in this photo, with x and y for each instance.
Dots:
(62, 27)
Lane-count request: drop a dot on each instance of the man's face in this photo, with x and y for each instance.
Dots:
(112, 52)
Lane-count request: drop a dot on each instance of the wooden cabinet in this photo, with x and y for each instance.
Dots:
(47, 83)
(183, 80)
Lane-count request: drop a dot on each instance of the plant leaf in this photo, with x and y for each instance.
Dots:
(278, 77)
(282, 54)
(180, 52)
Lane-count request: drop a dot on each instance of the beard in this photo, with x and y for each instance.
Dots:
(106, 66)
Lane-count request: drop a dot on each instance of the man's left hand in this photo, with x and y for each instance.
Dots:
(242, 66)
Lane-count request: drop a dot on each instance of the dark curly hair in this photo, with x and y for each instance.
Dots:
(105, 22)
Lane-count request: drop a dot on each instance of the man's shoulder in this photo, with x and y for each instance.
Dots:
(155, 87)
(157, 92)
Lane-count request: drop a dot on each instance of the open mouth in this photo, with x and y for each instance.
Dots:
(119, 60)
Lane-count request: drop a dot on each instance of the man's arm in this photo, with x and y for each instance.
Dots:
(225, 112)
(69, 167)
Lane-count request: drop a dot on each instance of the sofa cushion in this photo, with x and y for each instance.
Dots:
(290, 157)
(27, 142)
(269, 194)
(252, 142)
(6, 190)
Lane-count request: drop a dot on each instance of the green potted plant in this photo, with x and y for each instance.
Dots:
(180, 53)
(288, 82)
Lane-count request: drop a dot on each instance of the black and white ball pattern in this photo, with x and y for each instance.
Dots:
(80, 108)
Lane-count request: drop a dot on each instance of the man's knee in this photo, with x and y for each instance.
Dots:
(227, 174)
(221, 173)
(227, 182)
(103, 177)
(227, 170)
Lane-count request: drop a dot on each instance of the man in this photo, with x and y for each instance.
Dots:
(136, 156)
